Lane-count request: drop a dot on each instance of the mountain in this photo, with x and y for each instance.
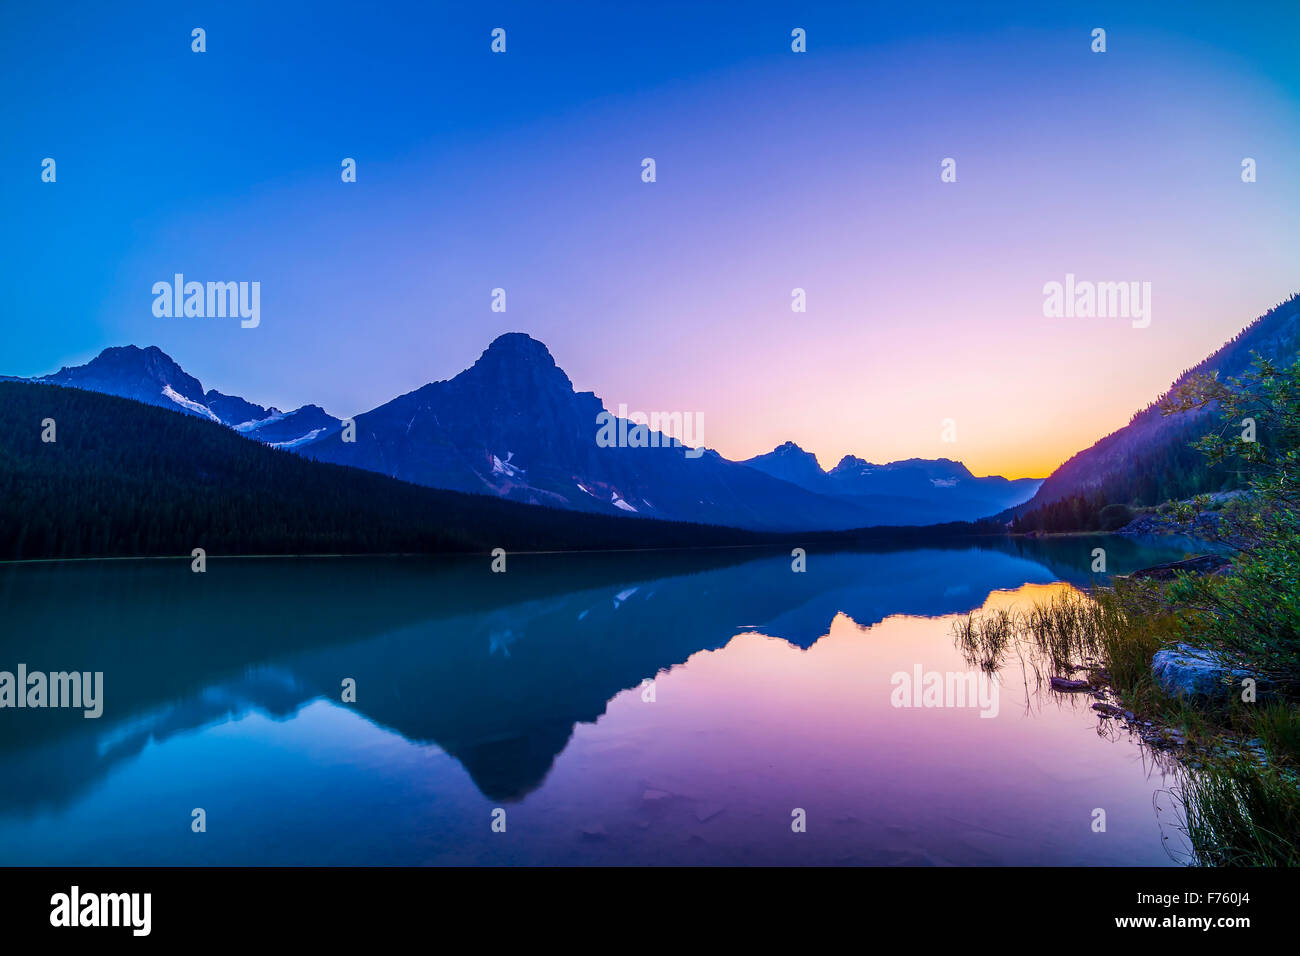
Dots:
(124, 478)
(1150, 460)
(291, 429)
(234, 410)
(151, 376)
(913, 491)
(513, 425)
(146, 375)
(791, 463)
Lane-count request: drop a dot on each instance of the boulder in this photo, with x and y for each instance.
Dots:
(1184, 670)
(1201, 564)
(1064, 683)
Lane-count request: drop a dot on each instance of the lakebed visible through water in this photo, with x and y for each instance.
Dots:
(709, 707)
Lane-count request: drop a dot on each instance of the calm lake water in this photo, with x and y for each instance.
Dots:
(772, 691)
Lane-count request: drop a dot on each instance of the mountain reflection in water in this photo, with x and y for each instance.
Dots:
(525, 691)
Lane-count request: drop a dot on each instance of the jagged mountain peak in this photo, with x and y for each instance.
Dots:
(516, 360)
(151, 358)
(517, 346)
(852, 462)
(236, 411)
(132, 372)
(789, 451)
(932, 467)
(791, 455)
(948, 467)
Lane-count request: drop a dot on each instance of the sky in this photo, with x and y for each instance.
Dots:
(775, 170)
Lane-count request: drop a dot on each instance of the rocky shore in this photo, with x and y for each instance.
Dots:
(1198, 675)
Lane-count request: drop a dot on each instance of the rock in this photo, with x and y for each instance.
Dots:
(1201, 564)
(1189, 671)
(1107, 710)
(1206, 524)
(1064, 683)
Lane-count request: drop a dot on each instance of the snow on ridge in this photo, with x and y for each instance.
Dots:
(183, 402)
(618, 502)
(258, 423)
(310, 436)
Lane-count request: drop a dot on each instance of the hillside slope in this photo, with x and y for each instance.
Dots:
(1150, 460)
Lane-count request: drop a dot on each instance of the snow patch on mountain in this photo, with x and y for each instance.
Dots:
(270, 419)
(500, 467)
(310, 436)
(195, 407)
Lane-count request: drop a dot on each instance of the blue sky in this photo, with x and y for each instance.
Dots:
(775, 170)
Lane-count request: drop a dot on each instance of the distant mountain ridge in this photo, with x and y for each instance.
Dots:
(513, 426)
(152, 376)
(932, 490)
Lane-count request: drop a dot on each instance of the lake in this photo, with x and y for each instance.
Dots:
(705, 707)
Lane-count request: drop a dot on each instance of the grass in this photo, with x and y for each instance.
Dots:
(1063, 628)
(1237, 813)
(984, 640)
(1131, 630)
(1277, 724)
(1237, 809)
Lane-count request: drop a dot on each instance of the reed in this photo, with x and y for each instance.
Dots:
(1239, 813)
(1236, 809)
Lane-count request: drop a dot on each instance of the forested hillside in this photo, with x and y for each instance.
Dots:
(1151, 459)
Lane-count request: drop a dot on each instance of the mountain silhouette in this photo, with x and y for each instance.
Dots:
(913, 491)
(152, 376)
(513, 426)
